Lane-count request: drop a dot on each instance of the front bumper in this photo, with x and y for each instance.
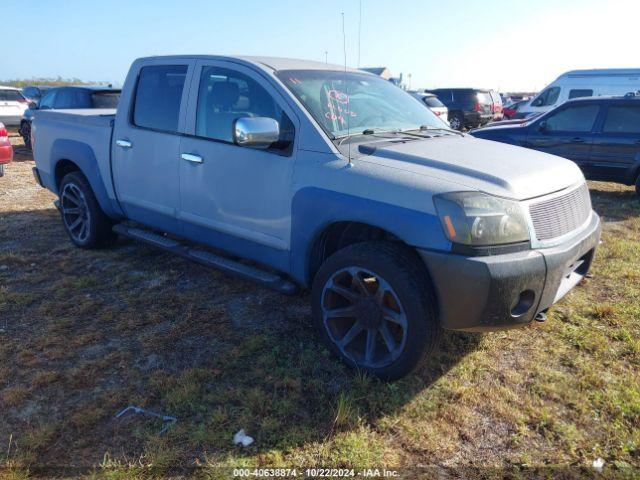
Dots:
(505, 291)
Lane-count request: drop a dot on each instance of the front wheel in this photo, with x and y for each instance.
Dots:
(374, 307)
(83, 219)
(1, 170)
(638, 186)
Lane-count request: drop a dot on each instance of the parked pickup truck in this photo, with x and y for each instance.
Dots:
(326, 179)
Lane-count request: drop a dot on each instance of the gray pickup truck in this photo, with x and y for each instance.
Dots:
(307, 176)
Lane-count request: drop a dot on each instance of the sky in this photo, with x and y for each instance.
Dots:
(517, 45)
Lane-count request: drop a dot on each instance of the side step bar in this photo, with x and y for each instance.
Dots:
(209, 259)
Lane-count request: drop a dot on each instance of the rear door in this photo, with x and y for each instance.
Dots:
(567, 132)
(146, 141)
(616, 146)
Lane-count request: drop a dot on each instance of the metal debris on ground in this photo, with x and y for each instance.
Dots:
(167, 420)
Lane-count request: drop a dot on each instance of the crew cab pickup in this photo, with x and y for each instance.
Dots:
(308, 176)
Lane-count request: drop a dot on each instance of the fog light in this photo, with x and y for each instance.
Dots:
(524, 303)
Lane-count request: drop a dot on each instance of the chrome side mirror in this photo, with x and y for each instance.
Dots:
(255, 132)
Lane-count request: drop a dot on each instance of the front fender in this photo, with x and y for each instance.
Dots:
(313, 209)
(84, 157)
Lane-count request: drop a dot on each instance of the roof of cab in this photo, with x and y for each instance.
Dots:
(271, 64)
(8, 88)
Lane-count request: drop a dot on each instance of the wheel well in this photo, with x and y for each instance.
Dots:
(340, 235)
(64, 167)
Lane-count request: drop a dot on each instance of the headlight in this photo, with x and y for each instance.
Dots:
(478, 219)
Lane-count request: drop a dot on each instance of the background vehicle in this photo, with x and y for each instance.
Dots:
(63, 98)
(435, 105)
(510, 110)
(468, 107)
(583, 83)
(600, 134)
(34, 93)
(6, 150)
(12, 105)
(398, 226)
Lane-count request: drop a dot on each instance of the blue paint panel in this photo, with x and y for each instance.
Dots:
(269, 256)
(314, 209)
(82, 155)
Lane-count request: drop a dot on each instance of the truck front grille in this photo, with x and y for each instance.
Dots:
(560, 215)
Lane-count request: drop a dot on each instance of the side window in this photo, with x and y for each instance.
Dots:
(580, 92)
(157, 98)
(48, 100)
(573, 119)
(622, 119)
(546, 98)
(224, 96)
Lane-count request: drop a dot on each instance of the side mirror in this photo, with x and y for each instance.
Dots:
(542, 126)
(256, 132)
(33, 105)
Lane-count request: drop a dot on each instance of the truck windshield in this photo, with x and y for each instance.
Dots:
(351, 103)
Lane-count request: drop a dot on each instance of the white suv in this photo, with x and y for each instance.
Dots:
(12, 105)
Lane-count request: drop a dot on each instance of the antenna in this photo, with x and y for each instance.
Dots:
(359, 31)
(346, 91)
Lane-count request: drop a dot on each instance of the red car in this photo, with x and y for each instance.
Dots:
(6, 151)
(511, 110)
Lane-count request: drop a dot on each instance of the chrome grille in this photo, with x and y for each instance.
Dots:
(560, 215)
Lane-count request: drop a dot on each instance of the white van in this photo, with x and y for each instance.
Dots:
(582, 83)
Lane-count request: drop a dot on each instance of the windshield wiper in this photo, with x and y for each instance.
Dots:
(442, 129)
(367, 131)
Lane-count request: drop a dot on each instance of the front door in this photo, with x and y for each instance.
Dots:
(231, 196)
(566, 132)
(616, 147)
(146, 145)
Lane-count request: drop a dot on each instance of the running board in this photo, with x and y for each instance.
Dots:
(209, 259)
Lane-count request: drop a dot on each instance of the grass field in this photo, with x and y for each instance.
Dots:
(84, 334)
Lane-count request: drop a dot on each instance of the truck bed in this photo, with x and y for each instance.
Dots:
(57, 133)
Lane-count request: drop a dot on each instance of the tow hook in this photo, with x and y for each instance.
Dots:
(541, 317)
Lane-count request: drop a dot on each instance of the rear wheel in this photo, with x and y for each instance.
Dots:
(83, 219)
(456, 121)
(638, 186)
(1, 170)
(373, 305)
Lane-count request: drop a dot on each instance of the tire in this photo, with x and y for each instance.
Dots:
(25, 133)
(83, 219)
(1, 170)
(456, 122)
(638, 186)
(350, 320)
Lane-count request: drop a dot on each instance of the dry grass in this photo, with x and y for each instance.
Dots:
(86, 333)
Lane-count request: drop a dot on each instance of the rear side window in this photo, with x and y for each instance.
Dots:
(622, 119)
(580, 92)
(11, 96)
(573, 119)
(105, 99)
(158, 95)
(433, 102)
(484, 97)
(31, 92)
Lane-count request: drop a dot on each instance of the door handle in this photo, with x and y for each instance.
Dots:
(577, 140)
(190, 157)
(124, 143)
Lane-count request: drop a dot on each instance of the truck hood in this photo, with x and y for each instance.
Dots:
(475, 164)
